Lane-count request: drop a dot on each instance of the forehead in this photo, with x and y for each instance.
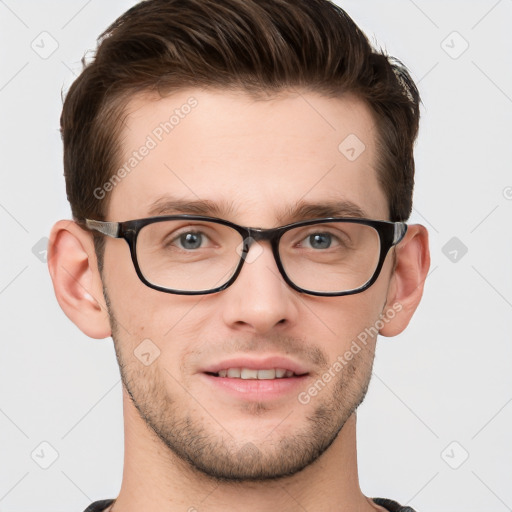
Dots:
(255, 157)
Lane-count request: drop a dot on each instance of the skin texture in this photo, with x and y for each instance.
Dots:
(189, 446)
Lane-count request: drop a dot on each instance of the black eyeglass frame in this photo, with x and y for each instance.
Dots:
(390, 234)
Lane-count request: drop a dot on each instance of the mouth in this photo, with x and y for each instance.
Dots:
(252, 373)
(259, 379)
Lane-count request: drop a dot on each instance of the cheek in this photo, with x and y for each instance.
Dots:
(345, 319)
(140, 311)
(150, 325)
(119, 276)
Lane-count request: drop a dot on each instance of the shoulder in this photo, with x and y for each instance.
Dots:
(391, 506)
(98, 506)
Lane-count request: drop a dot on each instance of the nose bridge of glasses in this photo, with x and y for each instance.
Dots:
(270, 235)
(257, 239)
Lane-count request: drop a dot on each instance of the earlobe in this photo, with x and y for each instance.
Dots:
(406, 286)
(76, 280)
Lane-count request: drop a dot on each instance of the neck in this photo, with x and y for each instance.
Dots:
(155, 479)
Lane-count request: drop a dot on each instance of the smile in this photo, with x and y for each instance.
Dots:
(251, 373)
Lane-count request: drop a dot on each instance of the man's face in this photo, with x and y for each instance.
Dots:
(256, 161)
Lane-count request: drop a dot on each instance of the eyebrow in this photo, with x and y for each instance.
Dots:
(302, 210)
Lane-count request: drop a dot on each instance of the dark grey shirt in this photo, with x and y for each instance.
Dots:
(392, 506)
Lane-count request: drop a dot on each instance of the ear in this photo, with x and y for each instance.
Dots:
(406, 285)
(76, 279)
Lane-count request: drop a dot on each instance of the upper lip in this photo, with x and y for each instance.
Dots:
(257, 363)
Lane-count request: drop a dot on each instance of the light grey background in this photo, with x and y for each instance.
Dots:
(441, 391)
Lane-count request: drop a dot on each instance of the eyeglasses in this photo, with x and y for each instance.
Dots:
(196, 255)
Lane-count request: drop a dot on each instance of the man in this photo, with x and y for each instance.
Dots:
(240, 173)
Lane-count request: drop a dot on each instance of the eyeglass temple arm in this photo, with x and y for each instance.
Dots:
(400, 230)
(107, 228)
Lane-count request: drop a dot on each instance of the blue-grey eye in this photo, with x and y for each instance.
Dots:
(191, 240)
(320, 240)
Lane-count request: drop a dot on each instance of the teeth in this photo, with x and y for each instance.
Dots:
(267, 374)
(249, 373)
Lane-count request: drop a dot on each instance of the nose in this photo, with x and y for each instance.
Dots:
(259, 300)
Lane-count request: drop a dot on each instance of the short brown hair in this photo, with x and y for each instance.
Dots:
(257, 46)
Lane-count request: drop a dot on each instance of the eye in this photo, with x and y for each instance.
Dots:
(318, 240)
(322, 240)
(190, 240)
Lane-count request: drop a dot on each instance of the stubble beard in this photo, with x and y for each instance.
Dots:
(208, 449)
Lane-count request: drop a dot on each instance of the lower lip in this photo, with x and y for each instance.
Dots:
(258, 389)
